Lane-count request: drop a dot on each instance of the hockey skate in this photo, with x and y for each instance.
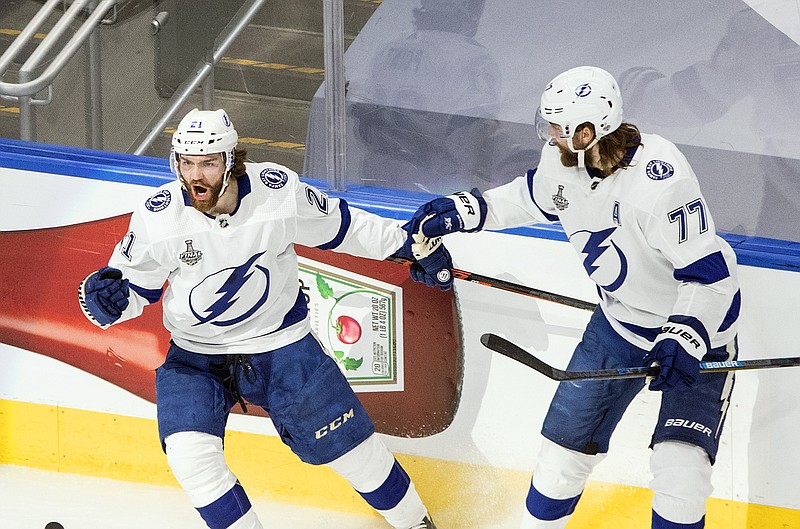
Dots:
(426, 523)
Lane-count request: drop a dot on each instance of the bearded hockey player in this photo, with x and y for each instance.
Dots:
(218, 245)
(632, 209)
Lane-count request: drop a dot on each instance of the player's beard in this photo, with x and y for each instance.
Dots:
(568, 158)
(211, 195)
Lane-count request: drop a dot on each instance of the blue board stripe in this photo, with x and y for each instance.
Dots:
(758, 252)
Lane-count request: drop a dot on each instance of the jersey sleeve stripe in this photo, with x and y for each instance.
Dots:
(548, 216)
(150, 294)
(648, 333)
(344, 211)
(733, 312)
(706, 271)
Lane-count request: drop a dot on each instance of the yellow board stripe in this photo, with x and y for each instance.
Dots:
(459, 495)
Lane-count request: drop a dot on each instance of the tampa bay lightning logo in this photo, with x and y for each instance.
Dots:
(231, 295)
(604, 261)
(226, 120)
(274, 178)
(583, 90)
(159, 201)
(659, 170)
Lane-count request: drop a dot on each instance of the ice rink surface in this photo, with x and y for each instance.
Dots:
(31, 498)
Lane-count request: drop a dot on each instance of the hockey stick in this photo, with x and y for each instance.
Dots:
(510, 287)
(515, 352)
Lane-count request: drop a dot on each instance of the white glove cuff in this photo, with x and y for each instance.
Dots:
(689, 339)
(468, 209)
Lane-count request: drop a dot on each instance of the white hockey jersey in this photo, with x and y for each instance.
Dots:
(232, 281)
(643, 234)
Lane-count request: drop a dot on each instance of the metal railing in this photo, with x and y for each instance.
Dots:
(204, 75)
(28, 85)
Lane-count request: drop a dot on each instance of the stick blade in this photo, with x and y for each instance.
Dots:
(515, 352)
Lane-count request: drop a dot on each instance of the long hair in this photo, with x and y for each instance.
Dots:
(239, 157)
(611, 148)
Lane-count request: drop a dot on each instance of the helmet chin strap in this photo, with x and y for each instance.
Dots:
(224, 182)
(581, 152)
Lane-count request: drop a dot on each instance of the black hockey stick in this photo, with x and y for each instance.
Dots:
(515, 352)
(510, 287)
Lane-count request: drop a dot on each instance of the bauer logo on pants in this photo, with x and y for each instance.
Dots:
(692, 425)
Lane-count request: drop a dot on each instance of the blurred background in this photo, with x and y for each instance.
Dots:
(440, 94)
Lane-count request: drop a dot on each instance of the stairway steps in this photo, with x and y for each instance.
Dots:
(306, 15)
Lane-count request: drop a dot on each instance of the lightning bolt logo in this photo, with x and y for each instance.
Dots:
(225, 297)
(595, 247)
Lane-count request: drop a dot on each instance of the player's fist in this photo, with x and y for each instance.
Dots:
(463, 211)
(677, 368)
(104, 296)
(435, 270)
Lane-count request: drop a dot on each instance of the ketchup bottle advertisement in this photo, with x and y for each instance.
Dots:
(40, 270)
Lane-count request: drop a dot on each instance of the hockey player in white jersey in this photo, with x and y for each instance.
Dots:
(221, 236)
(632, 209)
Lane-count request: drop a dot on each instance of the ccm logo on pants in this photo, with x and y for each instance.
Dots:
(694, 425)
(334, 424)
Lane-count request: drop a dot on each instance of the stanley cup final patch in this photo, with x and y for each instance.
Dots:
(558, 199)
(190, 256)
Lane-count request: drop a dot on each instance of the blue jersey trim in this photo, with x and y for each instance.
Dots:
(344, 210)
(297, 313)
(733, 312)
(529, 175)
(150, 294)
(758, 252)
(648, 333)
(706, 271)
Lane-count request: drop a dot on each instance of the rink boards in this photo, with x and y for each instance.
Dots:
(474, 466)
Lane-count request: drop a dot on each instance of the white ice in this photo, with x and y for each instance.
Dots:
(30, 498)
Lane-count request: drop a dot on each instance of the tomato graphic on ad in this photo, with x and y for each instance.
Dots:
(348, 330)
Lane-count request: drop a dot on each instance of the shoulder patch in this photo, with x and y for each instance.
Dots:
(159, 201)
(274, 178)
(659, 170)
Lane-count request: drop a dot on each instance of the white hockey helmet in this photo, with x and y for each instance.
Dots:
(585, 94)
(205, 132)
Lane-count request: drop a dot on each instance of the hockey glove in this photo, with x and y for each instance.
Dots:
(678, 369)
(104, 296)
(463, 211)
(434, 270)
(432, 262)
